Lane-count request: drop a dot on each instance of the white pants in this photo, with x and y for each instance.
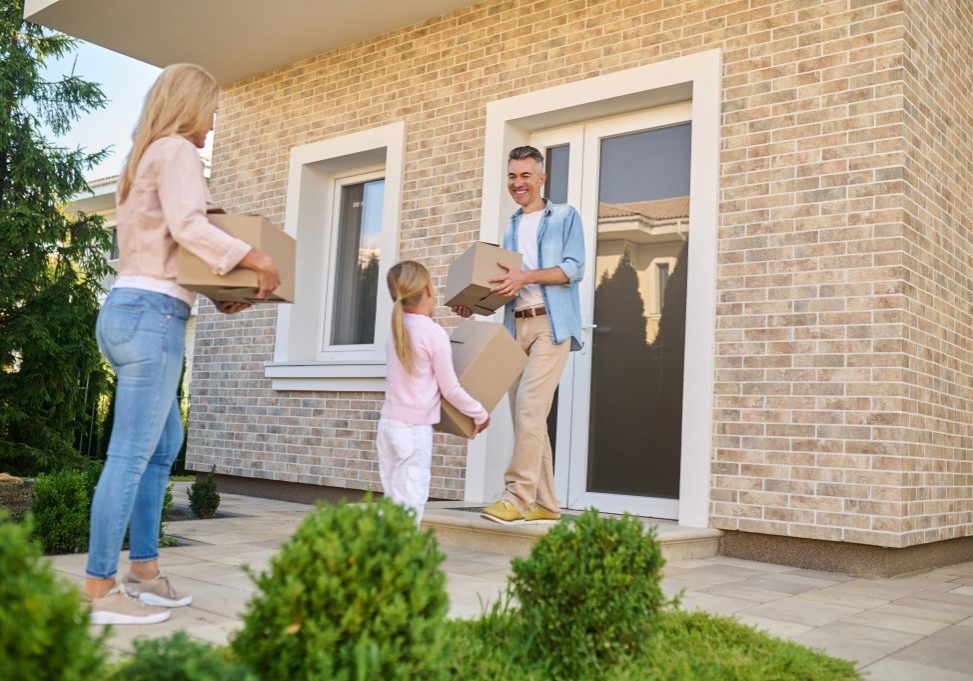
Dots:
(405, 463)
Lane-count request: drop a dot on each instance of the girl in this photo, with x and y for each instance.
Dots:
(141, 330)
(420, 376)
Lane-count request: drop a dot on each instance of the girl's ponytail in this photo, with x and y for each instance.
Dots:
(407, 281)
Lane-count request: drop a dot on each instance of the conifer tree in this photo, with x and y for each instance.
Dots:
(51, 263)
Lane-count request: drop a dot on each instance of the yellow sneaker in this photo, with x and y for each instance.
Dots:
(538, 515)
(503, 512)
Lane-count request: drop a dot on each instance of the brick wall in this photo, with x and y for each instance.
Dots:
(815, 417)
(938, 188)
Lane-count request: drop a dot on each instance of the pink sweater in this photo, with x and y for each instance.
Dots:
(165, 208)
(416, 398)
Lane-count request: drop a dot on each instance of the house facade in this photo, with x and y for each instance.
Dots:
(776, 205)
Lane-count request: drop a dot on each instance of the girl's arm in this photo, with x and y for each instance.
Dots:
(442, 367)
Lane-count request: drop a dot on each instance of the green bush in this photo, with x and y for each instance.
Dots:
(356, 593)
(204, 497)
(43, 625)
(61, 509)
(589, 592)
(179, 658)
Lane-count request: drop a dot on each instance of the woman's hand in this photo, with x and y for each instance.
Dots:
(268, 278)
(230, 307)
(461, 310)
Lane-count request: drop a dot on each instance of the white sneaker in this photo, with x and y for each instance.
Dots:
(157, 591)
(117, 607)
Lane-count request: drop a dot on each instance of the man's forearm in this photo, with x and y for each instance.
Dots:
(547, 275)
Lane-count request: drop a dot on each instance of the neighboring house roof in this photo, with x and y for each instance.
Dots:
(660, 209)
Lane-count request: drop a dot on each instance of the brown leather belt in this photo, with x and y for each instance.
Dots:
(530, 312)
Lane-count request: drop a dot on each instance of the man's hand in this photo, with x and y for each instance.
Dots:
(511, 282)
(461, 310)
(230, 307)
(480, 428)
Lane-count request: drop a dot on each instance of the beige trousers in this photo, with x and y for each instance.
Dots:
(530, 477)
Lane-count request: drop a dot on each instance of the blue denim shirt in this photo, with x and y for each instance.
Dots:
(560, 243)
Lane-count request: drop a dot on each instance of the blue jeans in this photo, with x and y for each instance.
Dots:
(142, 334)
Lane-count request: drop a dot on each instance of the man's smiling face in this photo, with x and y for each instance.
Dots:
(525, 182)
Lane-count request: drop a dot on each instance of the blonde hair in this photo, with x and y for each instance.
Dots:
(180, 102)
(407, 281)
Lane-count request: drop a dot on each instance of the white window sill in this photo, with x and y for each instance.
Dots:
(348, 376)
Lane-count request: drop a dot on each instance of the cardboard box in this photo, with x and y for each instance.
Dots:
(487, 361)
(240, 285)
(468, 280)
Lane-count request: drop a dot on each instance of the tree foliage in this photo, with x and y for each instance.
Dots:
(52, 263)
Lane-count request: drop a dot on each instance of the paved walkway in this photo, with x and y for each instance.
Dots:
(906, 628)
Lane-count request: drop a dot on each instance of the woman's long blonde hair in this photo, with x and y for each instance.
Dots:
(407, 281)
(180, 102)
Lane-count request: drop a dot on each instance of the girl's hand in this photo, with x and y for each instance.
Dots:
(483, 426)
(230, 307)
(461, 310)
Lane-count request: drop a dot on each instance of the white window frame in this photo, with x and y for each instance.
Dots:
(510, 123)
(301, 359)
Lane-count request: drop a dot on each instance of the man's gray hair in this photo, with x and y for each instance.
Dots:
(521, 153)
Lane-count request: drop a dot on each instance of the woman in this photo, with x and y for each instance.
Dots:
(141, 329)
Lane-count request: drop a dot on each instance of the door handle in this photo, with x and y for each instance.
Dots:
(589, 326)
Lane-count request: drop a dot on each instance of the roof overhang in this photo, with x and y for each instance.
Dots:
(233, 39)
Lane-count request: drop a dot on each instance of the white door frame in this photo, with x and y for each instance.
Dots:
(509, 123)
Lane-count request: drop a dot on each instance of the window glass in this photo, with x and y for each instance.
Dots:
(356, 265)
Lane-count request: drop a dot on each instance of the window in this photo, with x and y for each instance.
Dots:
(663, 280)
(356, 261)
(343, 198)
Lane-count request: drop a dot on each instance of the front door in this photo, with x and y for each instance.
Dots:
(618, 418)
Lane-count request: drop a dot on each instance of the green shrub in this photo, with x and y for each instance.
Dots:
(589, 592)
(179, 658)
(356, 593)
(166, 510)
(61, 509)
(204, 497)
(43, 625)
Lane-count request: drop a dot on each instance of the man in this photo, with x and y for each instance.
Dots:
(545, 318)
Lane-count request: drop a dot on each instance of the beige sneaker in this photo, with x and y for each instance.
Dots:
(538, 515)
(117, 607)
(503, 512)
(156, 591)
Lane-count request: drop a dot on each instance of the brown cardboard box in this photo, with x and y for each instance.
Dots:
(240, 285)
(487, 362)
(468, 280)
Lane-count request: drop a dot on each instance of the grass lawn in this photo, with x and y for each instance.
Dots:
(686, 646)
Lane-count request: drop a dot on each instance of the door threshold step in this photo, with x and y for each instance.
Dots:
(459, 524)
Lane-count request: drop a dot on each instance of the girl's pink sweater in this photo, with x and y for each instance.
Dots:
(416, 398)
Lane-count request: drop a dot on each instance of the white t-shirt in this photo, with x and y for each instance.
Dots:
(530, 295)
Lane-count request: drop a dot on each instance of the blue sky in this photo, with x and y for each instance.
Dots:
(124, 81)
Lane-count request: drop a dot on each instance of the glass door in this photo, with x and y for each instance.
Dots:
(619, 414)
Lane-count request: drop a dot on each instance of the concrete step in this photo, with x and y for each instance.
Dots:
(459, 524)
